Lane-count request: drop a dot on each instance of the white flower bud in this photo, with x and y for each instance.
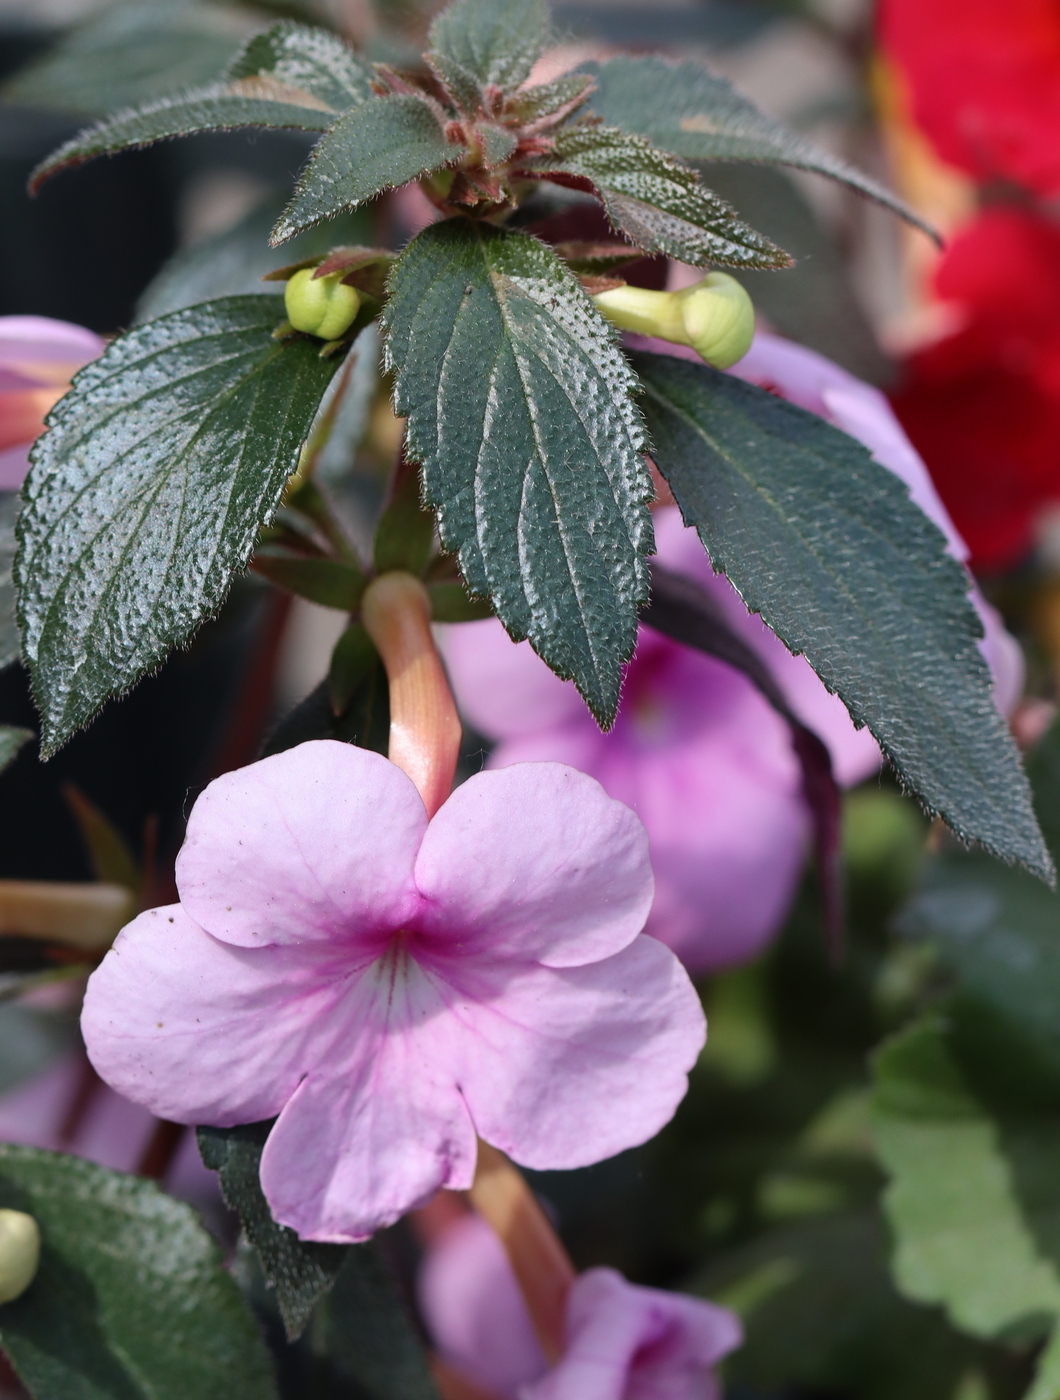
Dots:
(715, 317)
(19, 1253)
(322, 306)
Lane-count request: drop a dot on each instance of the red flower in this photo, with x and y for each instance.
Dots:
(982, 406)
(983, 79)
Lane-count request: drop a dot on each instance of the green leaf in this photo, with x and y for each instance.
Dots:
(495, 41)
(826, 544)
(548, 99)
(148, 492)
(373, 148)
(686, 109)
(292, 76)
(821, 1314)
(518, 406)
(363, 1329)
(450, 603)
(1046, 1385)
(12, 740)
(132, 1298)
(658, 203)
(301, 1271)
(329, 582)
(10, 646)
(127, 55)
(974, 1197)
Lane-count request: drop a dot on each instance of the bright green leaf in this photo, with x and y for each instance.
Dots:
(975, 1191)
(495, 41)
(658, 203)
(519, 409)
(372, 148)
(148, 492)
(300, 1271)
(1046, 1384)
(292, 76)
(686, 109)
(826, 544)
(132, 1298)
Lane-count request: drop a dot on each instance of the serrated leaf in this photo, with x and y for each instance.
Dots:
(12, 740)
(519, 409)
(658, 203)
(530, 105)
(132, 1298)
(10, 646)
(148, 491)
(463, 87)
(307, 60)
(826, 544)
(496, 41)
(373, 148)
(301, 1271)
(974, 1192)
(127, 55)
(290, 77)
(691, 112)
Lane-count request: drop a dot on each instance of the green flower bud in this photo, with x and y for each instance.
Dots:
(322, 306)
(715, 317)
(19, 1253)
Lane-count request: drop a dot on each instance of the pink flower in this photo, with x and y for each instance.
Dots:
(38, 358)
(623, 1342)
(391, 987)
(696, 752)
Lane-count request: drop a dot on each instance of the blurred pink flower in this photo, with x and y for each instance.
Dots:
(38, 358)
(391, 987)
(623, 1342)
(705, 762)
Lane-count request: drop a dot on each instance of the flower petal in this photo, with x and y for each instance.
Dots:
(201, 1032)
(314, 843)
(378, 1129)
(562, 1067)
(503, 687)
(537, 863)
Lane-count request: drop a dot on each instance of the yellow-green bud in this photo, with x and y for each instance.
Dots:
(19, 1253)
(322, 306)
(715, 317)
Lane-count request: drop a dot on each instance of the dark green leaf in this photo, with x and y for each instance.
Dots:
(686, 109)
(974, 1197)
(329, 582)
(301, 1271)
(519, 409)
(148, 492)
(127, 55)
(404, 536)
(659, 204)
(372, 148)
(354, 661)
(292, 76)
(12, 740)
(495, 41)
(826, 544)
(234, 262)
(307, 60)
(10, 646)
(351, 705)
(821, 1313)
(450, 603)
(363, 1329)
(132, 1298)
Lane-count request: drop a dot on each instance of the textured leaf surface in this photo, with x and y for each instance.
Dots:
(301, 1271)
(372, 148)
(127, 55)
(827, 546)
(147, 493)
(132, 1301)
(9, 640)
(974, 1198)
(496, 41)
(658, 203)
(686, 109)
(292, 76)
(997, 927)
(519, 410)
